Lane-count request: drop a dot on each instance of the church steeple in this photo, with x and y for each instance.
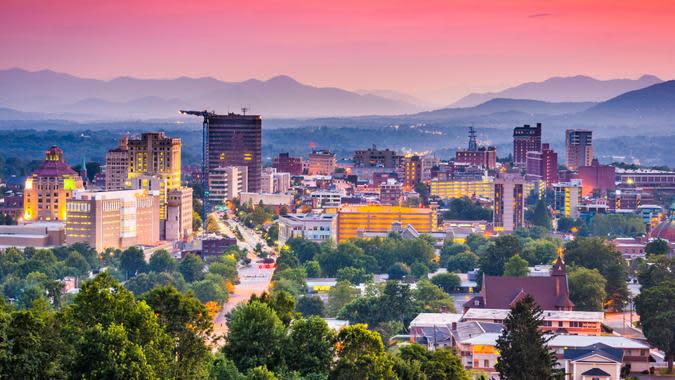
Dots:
(558, 268)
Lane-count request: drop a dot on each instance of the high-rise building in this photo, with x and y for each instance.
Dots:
(321, 162)
(484, 156)
(567, 198)
(376, 158)
(549, 165)
(410, 171)
(353, 220)
(579, 148)
(525, 139)
(534, 165)
(509, 202)
(154, 154)
(47, 189)
(226, 183)
(117, 166)
(179, 214)
(284, 163)
(236, 140)
(113, 219)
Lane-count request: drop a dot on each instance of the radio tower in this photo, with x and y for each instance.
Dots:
(473, 146)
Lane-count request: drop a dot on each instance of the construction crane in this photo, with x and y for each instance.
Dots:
(205, 154)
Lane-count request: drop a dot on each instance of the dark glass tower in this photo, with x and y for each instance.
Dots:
(236, 140)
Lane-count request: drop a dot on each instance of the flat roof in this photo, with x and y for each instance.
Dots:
(501, 314)
(431, 319)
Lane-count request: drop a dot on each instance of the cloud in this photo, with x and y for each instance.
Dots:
(538, 15)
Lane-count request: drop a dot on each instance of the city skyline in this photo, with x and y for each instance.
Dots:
(438, 51)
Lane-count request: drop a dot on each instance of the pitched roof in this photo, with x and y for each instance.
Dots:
(611, 353)
(550, 293)
(595, 372)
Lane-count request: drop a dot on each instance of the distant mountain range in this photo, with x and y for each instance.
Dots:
(578, 88)
(130, 98)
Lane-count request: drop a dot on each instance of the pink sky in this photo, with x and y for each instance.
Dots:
(438, 50)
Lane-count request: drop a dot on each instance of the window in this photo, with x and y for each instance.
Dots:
(486, 363)
(560, 324)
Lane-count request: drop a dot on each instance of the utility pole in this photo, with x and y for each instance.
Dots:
(205, 154)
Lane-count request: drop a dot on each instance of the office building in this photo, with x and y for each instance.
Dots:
(410, 171)
(327, 198)
(274, 182)
(509, 201)
(647, 179)
(36, 235)
(549, 163)
(47, 189)
(113, 219)
(284, 163)
(482, 188)
(353, 220)
(117, 166)
(179, 214)
(154, 154)
(534, 165)
(525, 139)
(376, 158)
(567, 198)
(226, 183)
(391, 193)
(597, 178)
(579, 148)
(484, 157)
(235, 140)
(314, 226)
(151, 183)
(321, 162)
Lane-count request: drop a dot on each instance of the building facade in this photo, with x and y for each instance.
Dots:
(579, 148)
(155, 154)
(284, 163)
(49, 187)
(179, 214)
(321, 162)
(509, 202)
(274, 182)
(483, 188)
(353, 220)
(113, 219)
(117, 166)
(525, 139)
(227, 183)
(236, 140)
(567, 198)
(376, 158)
(549, 165)
(313, 226)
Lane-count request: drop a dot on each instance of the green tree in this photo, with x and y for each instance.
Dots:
(353, 275)
(587, 289)
(398, 271)
(361, 355)
(311, 346)
(310, 305)
(431, 298)
(255, 337)
(615, 225)
(132, 261)
(540, 251)
(656, 272)
(657, 247)
(449, 282)
(523, 350)
(494, 255)
(656, 307)
(192, 268)
(162, 261)
(540, 216)
(188, 322)
(462, 262)
(260, 373)
(346, 255)
(516, 267)
(113, 334)
(598, 253)
(210, 289)
(223, 368)
(313, 269)
(78, 263)
(339, 296)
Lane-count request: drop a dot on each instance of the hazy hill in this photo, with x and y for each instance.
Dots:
(654, 104)
(578, 88)
(125, 97)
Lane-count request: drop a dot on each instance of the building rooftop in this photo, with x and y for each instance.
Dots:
(490, 339)
(433, 319)
(548, 315)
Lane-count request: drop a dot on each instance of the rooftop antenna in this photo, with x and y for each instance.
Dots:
(473, 145)
(244, 109)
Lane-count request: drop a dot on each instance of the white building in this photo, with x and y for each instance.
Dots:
(567, 199)
(314, 226)
(327, 198)
(227, 183)
(272, 181)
